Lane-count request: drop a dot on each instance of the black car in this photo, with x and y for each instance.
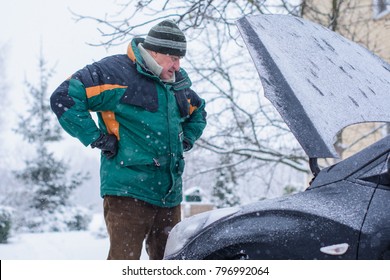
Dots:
(320, 83)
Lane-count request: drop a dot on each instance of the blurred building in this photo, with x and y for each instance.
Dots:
(195, 202)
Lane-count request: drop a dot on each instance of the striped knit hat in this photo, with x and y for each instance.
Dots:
(166, 38)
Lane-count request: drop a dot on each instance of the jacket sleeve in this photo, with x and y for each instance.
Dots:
(93, 88)
(196, 122)
(69, 103)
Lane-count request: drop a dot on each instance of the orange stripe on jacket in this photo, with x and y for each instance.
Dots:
(130, 53)
(96, 90)
(192, 108)
(111, 123)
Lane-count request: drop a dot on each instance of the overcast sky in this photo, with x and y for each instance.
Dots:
(27, 25)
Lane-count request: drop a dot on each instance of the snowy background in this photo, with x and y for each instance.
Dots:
(77, 245)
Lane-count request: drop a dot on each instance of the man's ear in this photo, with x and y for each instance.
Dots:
(153, 54)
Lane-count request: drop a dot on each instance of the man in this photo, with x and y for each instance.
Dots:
(147, 117)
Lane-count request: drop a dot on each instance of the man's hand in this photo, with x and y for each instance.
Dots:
(186, 145)
(108, 143)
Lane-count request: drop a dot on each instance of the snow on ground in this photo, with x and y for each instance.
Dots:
(76, 245)
(55, 246)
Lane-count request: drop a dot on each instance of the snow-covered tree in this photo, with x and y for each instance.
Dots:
(225, 187)
(5, 212)
(46, 183)
(3, 80)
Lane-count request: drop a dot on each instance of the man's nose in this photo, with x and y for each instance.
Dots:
(176, 65)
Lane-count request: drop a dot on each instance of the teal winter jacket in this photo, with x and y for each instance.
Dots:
(150, 119)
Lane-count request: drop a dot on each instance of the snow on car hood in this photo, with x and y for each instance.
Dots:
(319, 81)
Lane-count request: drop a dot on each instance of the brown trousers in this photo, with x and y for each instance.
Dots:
(129, 221)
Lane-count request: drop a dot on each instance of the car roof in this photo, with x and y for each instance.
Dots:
(319, 81)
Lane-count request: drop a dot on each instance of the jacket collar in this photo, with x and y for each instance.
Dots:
(132, 49)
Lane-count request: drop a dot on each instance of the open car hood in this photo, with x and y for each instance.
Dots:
(319, 81)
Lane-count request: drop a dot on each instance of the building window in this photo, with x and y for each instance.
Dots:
(381, 8)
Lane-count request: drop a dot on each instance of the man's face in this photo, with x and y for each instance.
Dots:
(169, 63)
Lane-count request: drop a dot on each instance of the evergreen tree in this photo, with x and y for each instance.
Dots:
(5, 212)
(47, 188)
(225, 187)
(3, 81)
(3, 102)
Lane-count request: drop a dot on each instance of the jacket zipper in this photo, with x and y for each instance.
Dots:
(168, 92)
